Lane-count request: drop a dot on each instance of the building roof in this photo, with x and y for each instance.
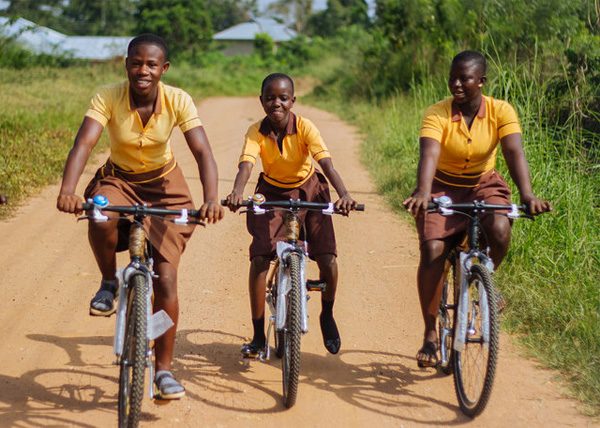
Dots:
(248, 31)
(43, 40)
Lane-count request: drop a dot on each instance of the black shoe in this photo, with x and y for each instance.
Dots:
(331, 335)
(252, 349)
(103, 303)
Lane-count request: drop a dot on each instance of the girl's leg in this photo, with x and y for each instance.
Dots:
(328, 271)
(429, 283)
(103, 240)
(256, 287)
(498, 230)
(165, 298)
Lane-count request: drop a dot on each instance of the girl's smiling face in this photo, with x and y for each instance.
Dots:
(465, 81)
(277, 100)
(145, 66)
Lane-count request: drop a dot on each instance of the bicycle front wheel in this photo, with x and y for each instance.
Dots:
(133, 360)
(475, 365)
(291, 335)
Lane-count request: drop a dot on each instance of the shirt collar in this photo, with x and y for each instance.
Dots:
(159, 99)
(457, 115)
(268, 131)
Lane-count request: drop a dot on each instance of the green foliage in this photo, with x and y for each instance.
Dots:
(264, 45)
(337, 15)
(184, 24)
(92, 17)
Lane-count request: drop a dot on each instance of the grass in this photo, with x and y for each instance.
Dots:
(552, 272)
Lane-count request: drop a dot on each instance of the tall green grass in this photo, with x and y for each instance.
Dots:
(551, 276)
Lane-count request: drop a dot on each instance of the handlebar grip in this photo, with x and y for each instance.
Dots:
(85, 206)
(431, 206)
(244, 203)
(359, 207)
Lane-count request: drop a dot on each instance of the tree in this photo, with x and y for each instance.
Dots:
(185, 24)
(298, 11)
(339, 14)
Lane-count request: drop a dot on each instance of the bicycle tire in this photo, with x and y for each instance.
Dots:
(290, 361)
(133, 360)
(447, 313)
(473, 393)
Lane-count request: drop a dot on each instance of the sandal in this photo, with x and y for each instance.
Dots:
(428, 353)
(167, 386)
(252, 350)
(331, 335)
(103, 303)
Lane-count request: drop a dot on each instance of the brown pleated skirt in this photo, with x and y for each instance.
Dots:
(268, 228)
(162, 188)
(490, 188)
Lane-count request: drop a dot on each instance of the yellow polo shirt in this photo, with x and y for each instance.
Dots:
(469, 151)
(133, 146)
(291, 166)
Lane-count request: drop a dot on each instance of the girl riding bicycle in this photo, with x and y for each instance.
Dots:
(140, 115)
(286, 142)
(458, 142)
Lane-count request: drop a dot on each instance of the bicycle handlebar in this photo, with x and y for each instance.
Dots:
(140, 210)
(444, 205)
(293, 204)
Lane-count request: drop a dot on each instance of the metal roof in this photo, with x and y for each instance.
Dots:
(40, 39)
(248, 31)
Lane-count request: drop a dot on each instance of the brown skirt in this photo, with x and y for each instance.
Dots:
(267, 229)
(169, 191)
(490, 188)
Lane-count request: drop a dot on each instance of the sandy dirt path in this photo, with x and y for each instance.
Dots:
(57, 361)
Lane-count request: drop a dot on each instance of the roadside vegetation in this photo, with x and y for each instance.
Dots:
(380, 74)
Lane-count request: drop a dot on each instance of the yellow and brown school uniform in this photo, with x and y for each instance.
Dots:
(466, 166)
(289, 172)
(141, 167)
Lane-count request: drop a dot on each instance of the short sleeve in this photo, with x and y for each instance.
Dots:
(187, 113)
(508, 121)
(251, 149)
(100, 107)
(313, 140)
(431, 126)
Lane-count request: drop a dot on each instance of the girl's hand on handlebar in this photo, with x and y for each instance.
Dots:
(234, 200)
(345, 204)
(211, 212)
(535, 205)
(417, 203)
(69, 203)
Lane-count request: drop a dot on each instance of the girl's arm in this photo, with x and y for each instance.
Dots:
(85, 141)
(211, 211)
(512, 149)
(345, 203)
(428, 160)
(234, 199)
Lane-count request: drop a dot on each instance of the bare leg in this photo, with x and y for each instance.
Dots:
(103, 240)
(498, 230)
(429, 282)
(256, 287)
(328, 271)
(165, 298)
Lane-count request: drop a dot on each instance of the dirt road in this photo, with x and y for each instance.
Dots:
(57, 361)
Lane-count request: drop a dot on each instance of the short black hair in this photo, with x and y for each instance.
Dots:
(468, 56)
(275, 76)
(148, 39)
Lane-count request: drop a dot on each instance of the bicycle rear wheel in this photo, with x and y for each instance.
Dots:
(447, 314)
(133, 360)
(290, 361)
(475, 365)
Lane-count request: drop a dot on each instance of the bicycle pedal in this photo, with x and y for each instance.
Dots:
(315, 285)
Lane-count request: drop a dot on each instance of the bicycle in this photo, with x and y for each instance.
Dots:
(468, 315)
(287, 288)
(136, 326)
